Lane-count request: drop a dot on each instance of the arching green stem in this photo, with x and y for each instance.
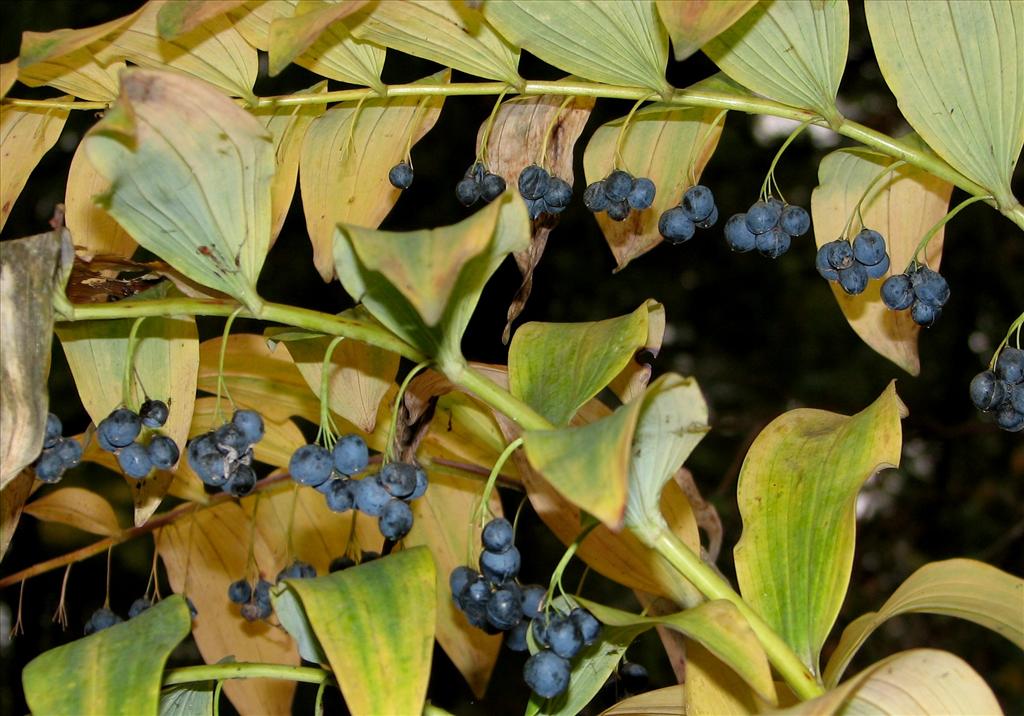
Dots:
(769, 178)
(417, 117)
(492, 479)
(705, 138)
(129, 363)
(1013, 330)
(222, 388)
(485, 138)
(550, 130)
(325, 434)
(245, 670)
(940, 223)
(389, 447)
(856, 209)
(589, 523)
(617, 157)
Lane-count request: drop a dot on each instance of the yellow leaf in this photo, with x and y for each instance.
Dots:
(26, 134)
(669, 701)
(76, 507)
(661, 143)
(253, 18)
(902, 207)
(93, 230)
(178, 16)
(77, 73)
(712, 688)
(290, 36)
(8, 76)
(346, 156)
(691, 23)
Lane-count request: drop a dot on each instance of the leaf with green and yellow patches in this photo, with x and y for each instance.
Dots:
(39, 47)
(797, 494)
(180, 16)
(346, 156)
(290, 36)
(376, 622)
(93, 230)
(26, 134)
(114, 671)
(692, 23)
(77, 73)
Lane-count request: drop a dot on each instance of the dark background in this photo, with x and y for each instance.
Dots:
(762, 337)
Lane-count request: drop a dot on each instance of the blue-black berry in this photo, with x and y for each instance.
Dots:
(48, 466)
(930, 287)
(53, 430)
(401, 175)
(339, 496)
(762, 216)
(868, 247)
(740, 238)
(853, 279)
(618, 210)
(558, 194)
(676, 225)
(547, 674)
(698, 202)
(163, 452)
(497, 535)
(249, 424)
(898, 292)
(351, 455)
(617, 186)
(492, 186)
(825, 269)
(120, 428)
(467, 191)
(311, 465)
(69, 451)
(138, 606)
(101, 619)
(398, 478)
(395, 520)
(533, 182)
(564, 636)
(587, 623)
(421, 484)
(1010, 365)
(153, 413)
(840, 254)
(239, 592)
(772, 243)
(794, 220)
(241, 481)
(370, 496)
(595, 198)
(500, 567)
(641, 194)
(134, 461)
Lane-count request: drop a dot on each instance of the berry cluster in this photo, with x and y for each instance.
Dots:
(118, 433)
(696, 210)
(59, 453)
(1002, 390)
(400, 175)
(385, 495)
(255, 602)
(223, 457)
(344, 562)
(544, 193)
(479, 183)
(105, 617)
(618, 193)
(853, 265)
(921, 290)
(767, 226)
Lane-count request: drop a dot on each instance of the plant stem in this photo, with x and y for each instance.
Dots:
(496, 397)
(246, 670)
(856, 207)
(129, 363)
(769, 178)
(713, 586)
(389, 446)
(1015, 327)
(492, 479)
(940, 223)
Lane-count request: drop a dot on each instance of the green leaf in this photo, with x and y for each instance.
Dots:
(42, 46)
(191, 700)
(451, 34)
(589, 464)
(662, 143)
(693, 23)
(961, 588)
(598, 350)
(26, 134)
(620, 42)
(289, 612)
(365, 141)
(376, 624)
(29, 271)
(797, 493)
(956, 69)
(179, 16)
(423, 285)
(718, 626)
(190, 175)
(792, 52)
(902, 207)
(920, 681)
(114, 671)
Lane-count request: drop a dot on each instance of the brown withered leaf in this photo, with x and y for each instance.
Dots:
(12, 499)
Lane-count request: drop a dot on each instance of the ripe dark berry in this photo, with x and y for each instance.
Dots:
(500, 567)
(138, 606)
(340, 563)
(49, 467)
(1010, 365)
(153, 413)
(492, 186)
(1009, 419)
(370, 496)
(230, 439)
(497, 535)
(254, 611)
(618, 185)
(587, 623)
(134, 461)
(709, 221)
(825, 269)
(595, 198)
(698, 202)
(738, 236)
(69, 451)
(564, 637)
(925, 314)
(241, 481)
(459, 578)
(880, 269)
(533, 597)
(504, 609)
(794, 220)
(421, 484)
(633, 676)
(351, 455)
(467, 191)
(547, 674)
(536, 207)
(101, 619)
(120, 428)
(1017, 397)
(339, 496)
(762, 216)
(558, 194)
(840, 254)
(52, 431)
(398, 478)
(772, 243)
(239, 592)
(261, 594)
(930, 287)
(853, 279)
(539, 629)
(641, 195)
(533, 182)
(987, 391)
(400, 176)
(250, 424)
(676, 226)
(868, 247)
(395, 520)
(163, 452)
(311, 465)
(618, 210)
(897, 292)
(297, 570)
(516, 639)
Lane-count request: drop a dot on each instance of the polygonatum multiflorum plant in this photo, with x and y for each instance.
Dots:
(355, 549)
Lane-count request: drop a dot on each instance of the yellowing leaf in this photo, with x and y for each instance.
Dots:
(792, 52)
(214, 52)
(662, 142)
(797, 492)
(253, 18)
(902, 207)
(77, 73)
(291, 35)
(359, 376)
(203, 554)
(26, 134)
(76, 507)
(378, 645)
(338, 55)
(179, 16)
(346, 156)
(190, 176)
(8, 76)
(12, 499)
(93, 230)
(669, 701)
(288, 126)
(599, 350)
(451, 34)
(692, 23)
(961, 588)
(712, 688)
(42, 46)
(619, 42)
(956, 69)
